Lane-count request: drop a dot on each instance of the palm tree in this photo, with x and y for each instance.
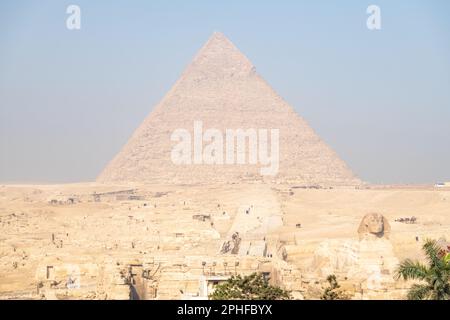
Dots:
(436, 274)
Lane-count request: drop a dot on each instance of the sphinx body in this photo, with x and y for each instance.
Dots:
(370, 260)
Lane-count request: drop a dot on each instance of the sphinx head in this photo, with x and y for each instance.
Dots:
(374, 224)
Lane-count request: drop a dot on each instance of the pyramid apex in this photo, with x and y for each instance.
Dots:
(219, 58)
(218, 35)
(218, 38)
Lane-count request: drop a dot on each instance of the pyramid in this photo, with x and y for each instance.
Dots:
(221, 89)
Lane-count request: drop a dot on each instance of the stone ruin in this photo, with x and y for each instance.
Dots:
(201, 217)
(232, 246)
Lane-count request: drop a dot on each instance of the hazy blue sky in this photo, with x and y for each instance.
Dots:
(69, 100)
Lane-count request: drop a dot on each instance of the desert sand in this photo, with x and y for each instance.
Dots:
(96, 241)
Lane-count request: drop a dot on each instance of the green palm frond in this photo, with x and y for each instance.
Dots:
(435, 275)
(441, 293)
(420, 292)
(432, 250)
(409, 269)
(447, 259)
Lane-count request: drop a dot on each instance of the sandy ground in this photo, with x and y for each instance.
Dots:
(91, 223)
